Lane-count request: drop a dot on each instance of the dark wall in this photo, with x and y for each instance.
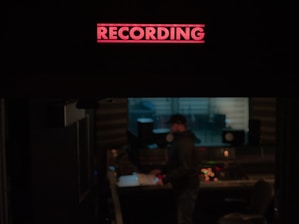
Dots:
(18, 154)
(287, 155)
(62, 169)
(53, 179)
(65, 58)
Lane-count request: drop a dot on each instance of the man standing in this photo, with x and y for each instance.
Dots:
(182, 169)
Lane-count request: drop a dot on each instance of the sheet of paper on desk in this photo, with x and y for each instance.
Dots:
(128, 181)
(147, 179)
(137, 179)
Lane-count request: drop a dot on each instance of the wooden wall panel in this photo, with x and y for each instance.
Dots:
(111, 123)
(264, 110)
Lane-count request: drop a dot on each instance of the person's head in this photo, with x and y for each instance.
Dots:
(177, 123)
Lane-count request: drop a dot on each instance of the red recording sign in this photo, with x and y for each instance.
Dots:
(150, 33)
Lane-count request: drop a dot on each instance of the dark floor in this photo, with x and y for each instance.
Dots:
(158, 207)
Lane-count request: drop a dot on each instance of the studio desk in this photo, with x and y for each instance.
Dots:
(136, 189)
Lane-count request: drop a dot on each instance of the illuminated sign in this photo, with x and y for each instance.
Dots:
(150, 33)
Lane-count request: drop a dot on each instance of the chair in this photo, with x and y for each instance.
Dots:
(257, 207)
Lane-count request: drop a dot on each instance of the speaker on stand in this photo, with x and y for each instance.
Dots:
(233, 137)
(145, 131)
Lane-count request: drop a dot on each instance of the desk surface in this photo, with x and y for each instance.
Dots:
(220, 184)
(205, 185)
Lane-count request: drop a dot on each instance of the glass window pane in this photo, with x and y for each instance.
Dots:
(206, 116)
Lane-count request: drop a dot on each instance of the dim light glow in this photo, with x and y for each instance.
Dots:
(150, 33)
(226, 153)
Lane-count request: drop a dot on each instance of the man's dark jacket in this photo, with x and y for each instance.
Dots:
(183, 163)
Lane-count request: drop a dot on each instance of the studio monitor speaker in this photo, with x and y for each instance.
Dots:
(145, 130)
(233, 137)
